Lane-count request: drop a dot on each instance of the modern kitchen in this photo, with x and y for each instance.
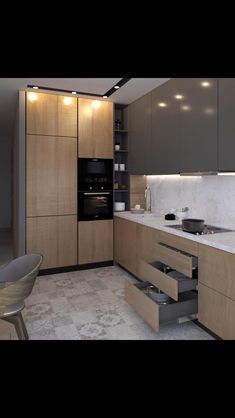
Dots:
(125, 191)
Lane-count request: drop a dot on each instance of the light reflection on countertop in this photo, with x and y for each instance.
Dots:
(223, 241)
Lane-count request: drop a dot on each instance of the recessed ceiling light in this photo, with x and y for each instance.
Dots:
(105, 97)
(178, 96)
(161, 104)
(116, 87)
(33, 97)
(35, 87)
(67, 101)
(74, 92)
(205, 84)
(185, 107)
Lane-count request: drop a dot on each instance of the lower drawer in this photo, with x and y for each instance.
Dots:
(169, 285)
(152, 312)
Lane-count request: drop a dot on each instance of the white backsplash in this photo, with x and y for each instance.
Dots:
(211, 198)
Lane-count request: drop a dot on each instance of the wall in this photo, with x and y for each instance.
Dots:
(211, 198)
(5, 182)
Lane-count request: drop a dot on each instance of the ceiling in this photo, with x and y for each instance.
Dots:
(9, 88)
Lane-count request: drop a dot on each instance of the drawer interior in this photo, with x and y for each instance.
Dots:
(187, 304)
(184, 282)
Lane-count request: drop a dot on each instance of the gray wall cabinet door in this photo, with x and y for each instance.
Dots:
(227, 124)
(140, 135)
(198, 124)
(165, 138)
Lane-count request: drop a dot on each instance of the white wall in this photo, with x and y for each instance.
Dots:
(211, 198)
(5, 183)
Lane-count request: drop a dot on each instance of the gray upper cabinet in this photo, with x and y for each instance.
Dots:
(164, 154)
(198, 124)
(174, 128)
(226, 124)
(140, 135)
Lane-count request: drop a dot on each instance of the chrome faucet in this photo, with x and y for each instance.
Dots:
(148, 202)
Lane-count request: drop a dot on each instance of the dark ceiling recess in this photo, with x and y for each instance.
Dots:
(107, 94)
(119, 84)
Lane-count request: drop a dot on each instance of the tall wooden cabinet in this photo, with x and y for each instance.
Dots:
(95, 128)
(51, 178)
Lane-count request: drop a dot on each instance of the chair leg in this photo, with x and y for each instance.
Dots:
(18, 322)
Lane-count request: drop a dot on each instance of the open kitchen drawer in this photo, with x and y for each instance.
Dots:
(175, 258)
(154, 313)
(172, 286)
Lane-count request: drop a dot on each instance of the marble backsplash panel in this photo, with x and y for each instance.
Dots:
(208, 197)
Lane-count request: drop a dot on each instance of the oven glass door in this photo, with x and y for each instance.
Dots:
(95, 205)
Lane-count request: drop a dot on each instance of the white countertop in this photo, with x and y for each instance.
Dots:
(223, 241)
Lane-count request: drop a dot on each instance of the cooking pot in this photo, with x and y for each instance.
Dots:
(193, 225)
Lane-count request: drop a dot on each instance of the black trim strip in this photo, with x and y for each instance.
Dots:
(108, 93)
(120, 84)
(31, 86)
(196, 322)
(77, 267)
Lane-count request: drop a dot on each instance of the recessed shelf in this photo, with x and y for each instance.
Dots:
(120, 131)
(121, 150)
(121, 171)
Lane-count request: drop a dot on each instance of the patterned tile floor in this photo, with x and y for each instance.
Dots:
(90, 305)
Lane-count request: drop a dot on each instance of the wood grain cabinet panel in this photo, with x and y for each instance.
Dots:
(51, 175)
(217, 270)
(55, 237)
(146, 239)
(95, 241)
(95, 134)
(125, 233)
(216, 312)
(50, 115)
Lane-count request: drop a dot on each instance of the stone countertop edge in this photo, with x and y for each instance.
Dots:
(223, 241)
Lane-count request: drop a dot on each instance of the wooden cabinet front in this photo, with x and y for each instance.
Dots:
(216, 312)
(50, 114)
(125, 244)
(217, 270)
(95, 241)
(55, 237)
(95, 128)
(51, 175)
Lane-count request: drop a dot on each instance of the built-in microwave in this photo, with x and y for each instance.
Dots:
(95, 174)
(95, 205)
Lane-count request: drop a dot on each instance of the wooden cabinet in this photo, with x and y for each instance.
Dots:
(55, 237)
(216, 312)
(125, 244)
(226, 124)
(146, 239)
(140, 136)
(95, 241)
(95, 128)
(217, 291)
(51, 114)
(51, 175)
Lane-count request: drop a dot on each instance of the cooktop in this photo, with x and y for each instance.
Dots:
(208, 229)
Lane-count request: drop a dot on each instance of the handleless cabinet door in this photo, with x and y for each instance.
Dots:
(140, 135)
(50, 114)
(95, 128)
(51, 175)
(95, 241)
(165, 136)
(198, 124)
(55, 237)
(226, 124)
(125, 241)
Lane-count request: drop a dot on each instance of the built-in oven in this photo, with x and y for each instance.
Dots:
(95, 174)
(95, 205)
